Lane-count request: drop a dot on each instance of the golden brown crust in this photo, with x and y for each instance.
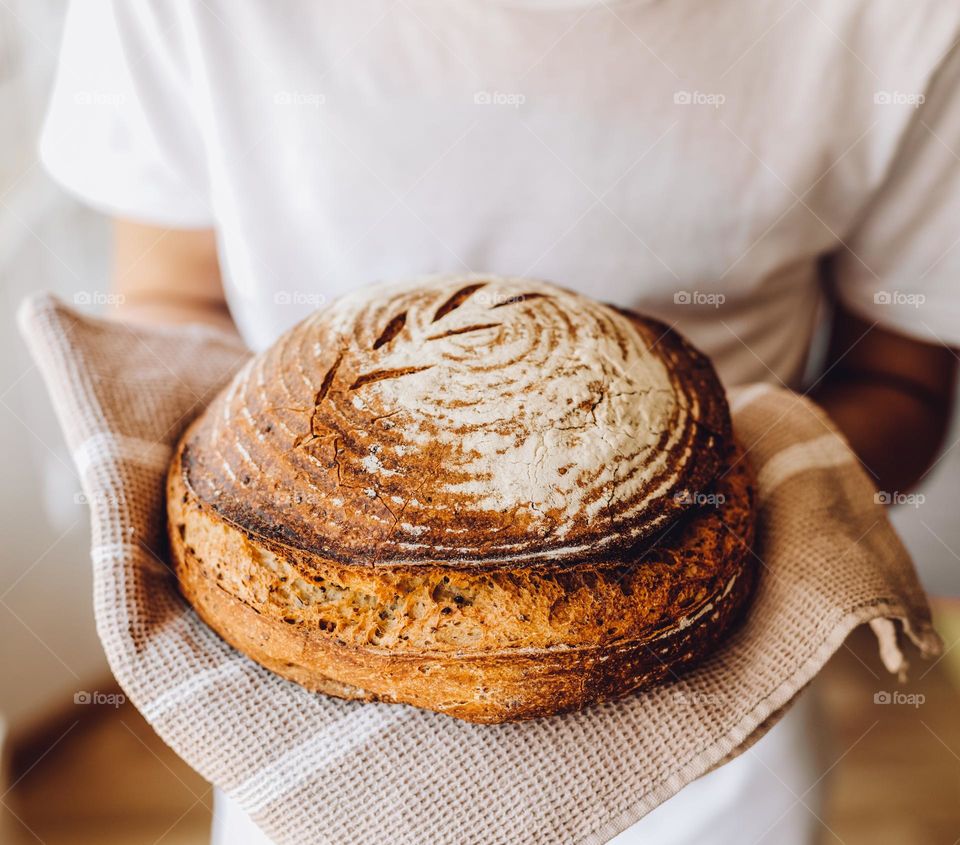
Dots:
(482, 646)
(571, 518)
(496, 421)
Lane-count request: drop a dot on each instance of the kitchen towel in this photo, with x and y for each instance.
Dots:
(313, 769)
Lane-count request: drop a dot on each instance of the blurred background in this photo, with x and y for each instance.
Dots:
(79, 765)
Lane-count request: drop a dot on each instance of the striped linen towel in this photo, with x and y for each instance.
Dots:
(312, 769)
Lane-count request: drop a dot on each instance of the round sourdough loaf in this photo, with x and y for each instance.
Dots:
(489, 497)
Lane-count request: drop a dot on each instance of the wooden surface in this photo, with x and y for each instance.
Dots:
(898, 776)
(891, 771)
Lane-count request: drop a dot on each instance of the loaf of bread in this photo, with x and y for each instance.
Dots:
(489, 497)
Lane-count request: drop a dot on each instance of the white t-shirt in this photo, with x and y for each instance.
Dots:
(675, 156)
(693, 160)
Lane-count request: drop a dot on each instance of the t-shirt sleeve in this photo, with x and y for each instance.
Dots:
(121, 130)
(901, 265)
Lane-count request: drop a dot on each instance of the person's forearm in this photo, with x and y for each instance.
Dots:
(895, 434)
(890, 394)
(167, 276)
(175, 310)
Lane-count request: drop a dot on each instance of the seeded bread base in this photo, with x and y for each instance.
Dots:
(478, 643)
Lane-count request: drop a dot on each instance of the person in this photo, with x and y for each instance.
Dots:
(746, 172)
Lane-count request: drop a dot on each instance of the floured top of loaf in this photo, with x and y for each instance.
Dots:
(473, 419)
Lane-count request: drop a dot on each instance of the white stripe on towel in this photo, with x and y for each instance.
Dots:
(330, 745)
(104, 447)
(111, 553)
(822, 452)
(745, 396)
(192, 687)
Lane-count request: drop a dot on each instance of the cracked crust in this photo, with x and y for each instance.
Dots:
(472, 418)
(506, 625)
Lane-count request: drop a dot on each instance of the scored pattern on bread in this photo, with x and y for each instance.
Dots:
(488, 497)
(496, 421)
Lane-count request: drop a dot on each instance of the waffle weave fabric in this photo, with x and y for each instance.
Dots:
(313, 769)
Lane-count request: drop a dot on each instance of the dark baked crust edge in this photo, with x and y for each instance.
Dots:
(480, 687)
(710, 438)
